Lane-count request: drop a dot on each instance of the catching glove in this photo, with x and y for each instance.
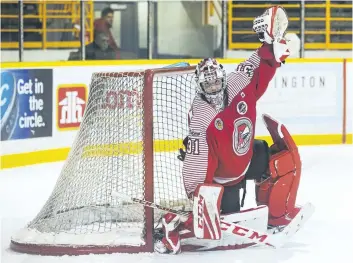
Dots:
(271, 25)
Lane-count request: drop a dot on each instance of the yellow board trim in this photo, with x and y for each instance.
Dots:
(130, 148)
(30, 158)
(60, 154)
(20, 65)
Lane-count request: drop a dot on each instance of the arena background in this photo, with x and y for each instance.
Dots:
(51, 49)
(37, 42)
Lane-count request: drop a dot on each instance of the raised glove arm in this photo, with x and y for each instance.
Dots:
(271, 25)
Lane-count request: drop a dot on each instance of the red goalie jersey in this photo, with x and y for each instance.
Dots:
(220, 143)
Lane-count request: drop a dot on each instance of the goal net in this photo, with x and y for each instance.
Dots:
(128, 143)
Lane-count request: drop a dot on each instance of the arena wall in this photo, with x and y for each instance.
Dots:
(312, 97)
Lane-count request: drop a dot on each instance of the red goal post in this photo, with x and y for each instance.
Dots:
(128, 142)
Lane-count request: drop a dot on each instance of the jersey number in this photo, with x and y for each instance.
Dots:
(193, 146)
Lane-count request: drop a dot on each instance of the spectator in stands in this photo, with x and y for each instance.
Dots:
(99, 49)
(104, 24)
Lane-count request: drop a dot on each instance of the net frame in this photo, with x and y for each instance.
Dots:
(148, 162)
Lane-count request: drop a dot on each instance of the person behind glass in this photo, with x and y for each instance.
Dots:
(99, 49)
(104, 24)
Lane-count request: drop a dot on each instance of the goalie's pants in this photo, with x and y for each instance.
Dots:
(259, 163)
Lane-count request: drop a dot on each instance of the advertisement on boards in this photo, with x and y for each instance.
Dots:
(307, 97)
(26, 103)
(71, 104)
(310, 93)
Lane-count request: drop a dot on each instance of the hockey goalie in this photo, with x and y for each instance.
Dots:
(222, 153)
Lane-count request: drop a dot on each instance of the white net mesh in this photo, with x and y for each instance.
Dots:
(108, 156)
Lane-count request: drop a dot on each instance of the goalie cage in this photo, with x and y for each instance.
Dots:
(128, 142)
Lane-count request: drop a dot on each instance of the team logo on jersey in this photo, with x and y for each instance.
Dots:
(242, 107)
(218, 124)
(242, 135)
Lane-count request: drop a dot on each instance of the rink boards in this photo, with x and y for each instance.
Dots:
(312, 97)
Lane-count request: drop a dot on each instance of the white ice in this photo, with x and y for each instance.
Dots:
(326, 237)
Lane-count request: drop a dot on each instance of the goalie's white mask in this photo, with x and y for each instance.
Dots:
(211, 81)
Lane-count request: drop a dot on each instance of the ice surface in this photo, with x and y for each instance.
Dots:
(326, 237)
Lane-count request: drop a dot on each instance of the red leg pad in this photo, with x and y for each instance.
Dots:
(279, 191)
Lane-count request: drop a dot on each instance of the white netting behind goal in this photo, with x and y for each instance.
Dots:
(108, 156)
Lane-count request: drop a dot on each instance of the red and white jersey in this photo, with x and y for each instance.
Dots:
(220, 144)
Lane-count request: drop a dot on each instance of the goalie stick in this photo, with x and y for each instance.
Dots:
(253, 236)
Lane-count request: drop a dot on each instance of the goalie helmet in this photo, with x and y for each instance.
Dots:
(210, 78)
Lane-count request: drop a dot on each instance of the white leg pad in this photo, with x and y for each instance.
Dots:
(206, 211)
(256, 218)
